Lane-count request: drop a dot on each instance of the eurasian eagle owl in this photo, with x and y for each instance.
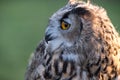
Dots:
(80, 43)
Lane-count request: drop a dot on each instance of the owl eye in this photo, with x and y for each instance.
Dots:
(65, 25)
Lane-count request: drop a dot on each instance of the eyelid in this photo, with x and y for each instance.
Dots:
(67, 20)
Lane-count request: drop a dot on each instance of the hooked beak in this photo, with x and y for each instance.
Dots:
(48, 37)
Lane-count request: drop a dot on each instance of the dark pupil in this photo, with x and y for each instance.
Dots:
(66, 25)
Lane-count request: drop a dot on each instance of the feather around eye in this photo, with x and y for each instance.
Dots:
(65, 25)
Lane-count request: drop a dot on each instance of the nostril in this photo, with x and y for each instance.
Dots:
(48, 37)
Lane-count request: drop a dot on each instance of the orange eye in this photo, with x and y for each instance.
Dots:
(65, 25)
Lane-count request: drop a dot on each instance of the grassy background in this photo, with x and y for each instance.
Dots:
(22, 25)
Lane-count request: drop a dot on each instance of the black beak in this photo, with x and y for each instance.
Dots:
(48, 37)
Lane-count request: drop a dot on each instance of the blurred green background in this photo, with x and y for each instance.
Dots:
(22, 26)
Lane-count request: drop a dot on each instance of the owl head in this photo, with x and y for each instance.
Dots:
(76, 22)
(65, 26)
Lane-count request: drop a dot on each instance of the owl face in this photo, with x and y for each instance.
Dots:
(64, 28)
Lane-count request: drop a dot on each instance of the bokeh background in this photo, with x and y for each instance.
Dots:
(22, 26)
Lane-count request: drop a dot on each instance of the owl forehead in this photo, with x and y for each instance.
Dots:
(66, 11)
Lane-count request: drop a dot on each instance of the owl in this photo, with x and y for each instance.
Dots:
(80, 43)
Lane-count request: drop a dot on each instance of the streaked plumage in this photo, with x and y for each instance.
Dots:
(80, 44)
